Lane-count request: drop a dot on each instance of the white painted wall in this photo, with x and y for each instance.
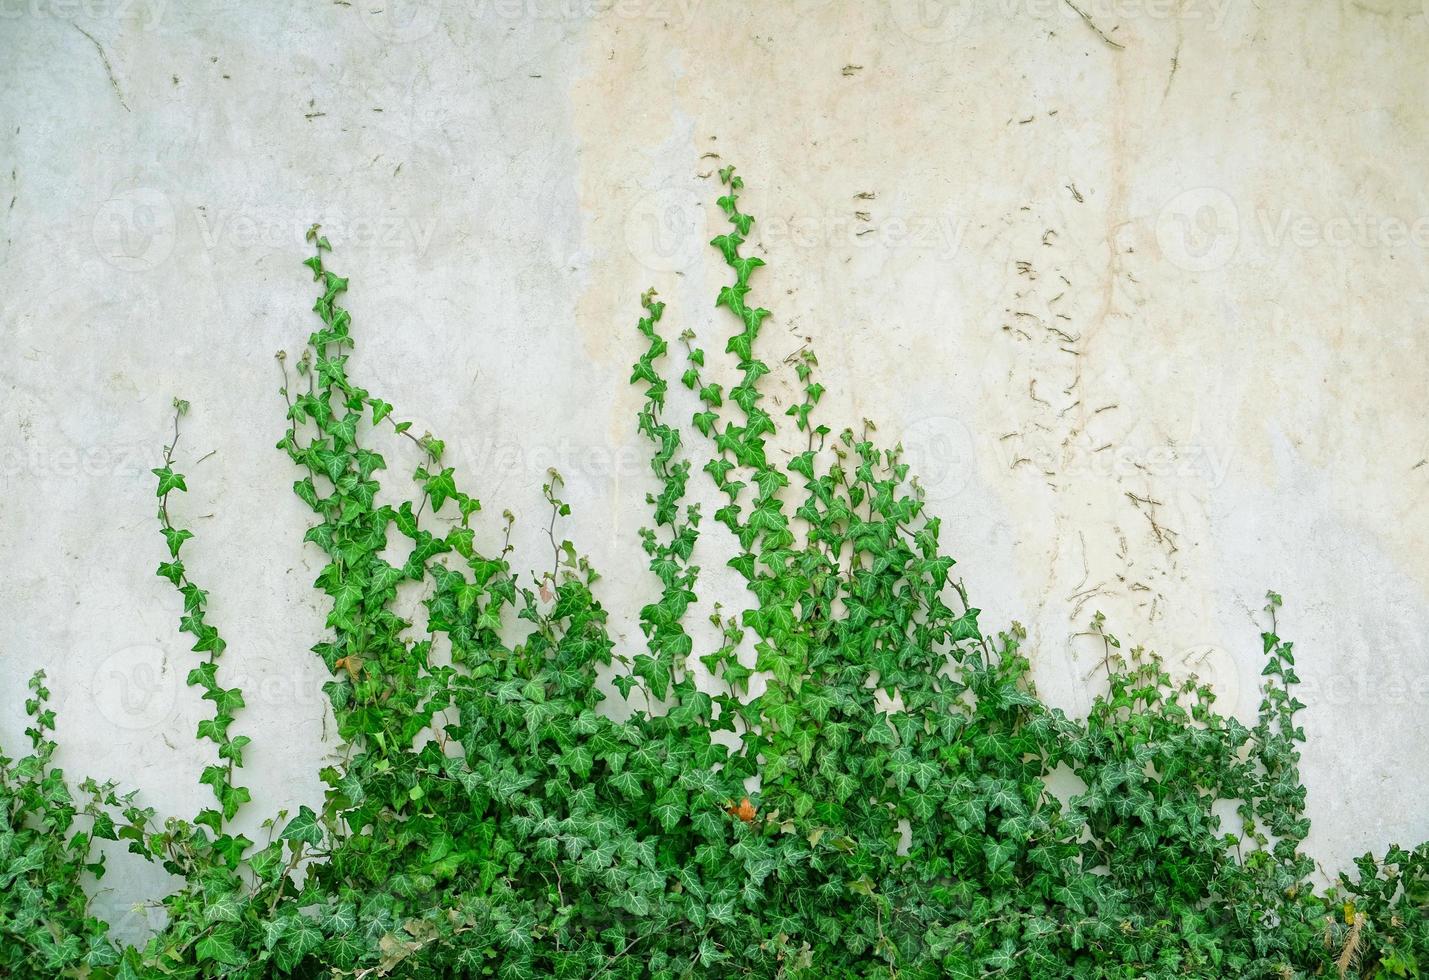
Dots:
(1224, 225)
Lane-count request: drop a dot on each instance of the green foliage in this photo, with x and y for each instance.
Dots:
(856, 785)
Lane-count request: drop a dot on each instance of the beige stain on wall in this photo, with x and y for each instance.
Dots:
(1113, 328)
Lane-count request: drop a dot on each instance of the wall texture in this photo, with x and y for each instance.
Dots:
(1142, 293)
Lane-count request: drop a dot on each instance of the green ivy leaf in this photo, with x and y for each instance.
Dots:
(169, 480)
(303, 829)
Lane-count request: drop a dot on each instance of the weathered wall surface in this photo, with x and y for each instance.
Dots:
(1146, 309)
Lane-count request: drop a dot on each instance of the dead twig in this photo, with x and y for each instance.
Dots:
(1092, 24)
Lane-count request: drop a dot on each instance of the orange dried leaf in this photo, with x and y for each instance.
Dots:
(745, 811)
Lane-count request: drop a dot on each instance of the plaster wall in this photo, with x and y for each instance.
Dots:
(1143, 294)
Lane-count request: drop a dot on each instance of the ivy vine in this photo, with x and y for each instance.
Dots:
(855, 785)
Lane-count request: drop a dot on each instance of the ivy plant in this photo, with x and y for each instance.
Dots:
(855, 784)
